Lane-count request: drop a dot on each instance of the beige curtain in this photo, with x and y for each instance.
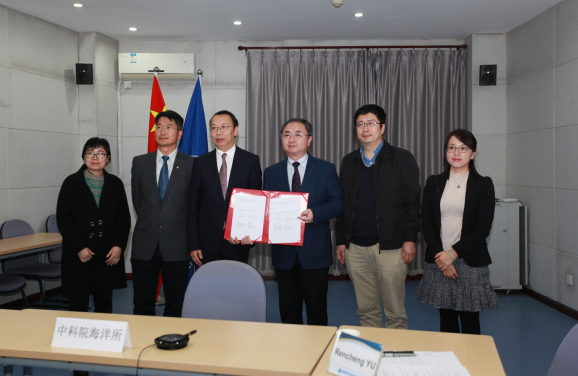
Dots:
(423, 93)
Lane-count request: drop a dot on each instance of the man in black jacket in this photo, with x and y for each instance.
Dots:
(377, 233)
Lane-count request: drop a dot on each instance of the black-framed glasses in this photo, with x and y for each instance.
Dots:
(460, 149)
(99, 155)
(370, 124)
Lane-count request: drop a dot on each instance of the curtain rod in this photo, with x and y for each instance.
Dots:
(457, 47)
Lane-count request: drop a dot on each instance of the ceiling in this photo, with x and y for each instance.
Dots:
(285, 19)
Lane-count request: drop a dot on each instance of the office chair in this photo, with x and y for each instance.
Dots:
(566, 361)
(55, 255)
(28, 267)
(226, 290)
(11, 283)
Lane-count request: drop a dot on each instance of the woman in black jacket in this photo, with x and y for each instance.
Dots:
(94, 220)
(457, 214)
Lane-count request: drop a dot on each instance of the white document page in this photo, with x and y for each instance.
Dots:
(284, 226)
(422, 371)
(248, 216)
(425, 363)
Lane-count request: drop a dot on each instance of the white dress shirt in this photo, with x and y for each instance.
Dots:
(301, 168)
(170, 162)
(228, 158)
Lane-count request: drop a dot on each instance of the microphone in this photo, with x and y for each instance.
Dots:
(173, 341)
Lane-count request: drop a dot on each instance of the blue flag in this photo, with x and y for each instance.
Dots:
(194, 139)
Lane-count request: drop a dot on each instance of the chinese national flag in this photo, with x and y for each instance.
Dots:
(157, 105)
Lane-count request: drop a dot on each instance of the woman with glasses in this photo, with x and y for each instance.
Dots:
(457, 214)
(94, 220)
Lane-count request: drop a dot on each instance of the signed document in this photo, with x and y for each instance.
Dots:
(284, 226)
(249, 216)
(266, 216)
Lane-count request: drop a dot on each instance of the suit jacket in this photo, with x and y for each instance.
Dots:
(477, 221)
(207, 211)
(162, 223)
(83, 224)
(325, 201)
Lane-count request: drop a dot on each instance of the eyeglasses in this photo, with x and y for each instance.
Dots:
(297, 135)
(222, 129)
(168, 128)
(460, 149)
(370, 124)
(99, 155)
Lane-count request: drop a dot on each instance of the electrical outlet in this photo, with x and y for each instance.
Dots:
(569, 280)
(127, 84)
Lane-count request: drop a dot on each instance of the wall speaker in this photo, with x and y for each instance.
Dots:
(83, 74)
(488, 75)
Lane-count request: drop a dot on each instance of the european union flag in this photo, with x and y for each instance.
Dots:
(194, 139)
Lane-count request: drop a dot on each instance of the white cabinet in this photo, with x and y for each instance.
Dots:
(508, 246)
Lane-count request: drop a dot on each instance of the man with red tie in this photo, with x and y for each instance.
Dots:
(215, 175)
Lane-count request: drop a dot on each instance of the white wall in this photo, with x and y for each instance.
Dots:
(542, 143)
(486, 106)
(98, 104)
(38, 118)
(41, 137)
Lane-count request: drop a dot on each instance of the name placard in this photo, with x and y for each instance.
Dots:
(86, 334)
(354, 356)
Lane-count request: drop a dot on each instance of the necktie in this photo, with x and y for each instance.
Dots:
(163, 177)
(296, 183)
(223, 176)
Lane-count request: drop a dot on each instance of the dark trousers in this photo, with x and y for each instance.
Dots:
(102, 302)
(450, 321)
(145, 277)
(298, 285)
(227, 251)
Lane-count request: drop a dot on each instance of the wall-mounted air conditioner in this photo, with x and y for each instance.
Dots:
(139, 66)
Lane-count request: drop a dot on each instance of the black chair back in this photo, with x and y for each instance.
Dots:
(12, 229)
(54, 256)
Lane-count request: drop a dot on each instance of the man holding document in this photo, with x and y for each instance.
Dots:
(214, 175)
(302, 270)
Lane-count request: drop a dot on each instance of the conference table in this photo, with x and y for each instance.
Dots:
(28, 244)
(477, 353)
(218, 347)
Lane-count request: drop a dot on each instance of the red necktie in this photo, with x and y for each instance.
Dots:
(223, 176)
(296, 183)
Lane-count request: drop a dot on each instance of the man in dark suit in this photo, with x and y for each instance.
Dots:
(160, 184)
(215, 174)
(302, 271)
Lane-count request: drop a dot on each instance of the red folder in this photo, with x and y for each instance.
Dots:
(269, 195)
